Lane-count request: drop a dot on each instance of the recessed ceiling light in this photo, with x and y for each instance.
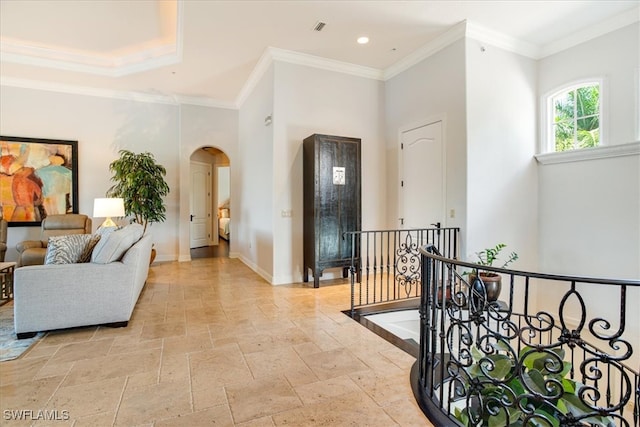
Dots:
(363, 40)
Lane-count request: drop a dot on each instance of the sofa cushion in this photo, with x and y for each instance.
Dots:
(114, 244)
(70, 249)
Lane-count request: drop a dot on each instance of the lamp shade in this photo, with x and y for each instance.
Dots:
(108, 207)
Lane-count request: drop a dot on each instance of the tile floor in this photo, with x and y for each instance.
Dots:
(211, 343)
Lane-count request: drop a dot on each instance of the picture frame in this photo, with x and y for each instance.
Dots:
(38, 177)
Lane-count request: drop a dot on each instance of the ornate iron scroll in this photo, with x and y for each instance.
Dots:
(408, 271)
(535, 367)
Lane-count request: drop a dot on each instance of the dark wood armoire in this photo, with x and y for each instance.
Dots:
(332, 202)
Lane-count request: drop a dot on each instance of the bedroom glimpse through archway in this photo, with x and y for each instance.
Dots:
(209, 203)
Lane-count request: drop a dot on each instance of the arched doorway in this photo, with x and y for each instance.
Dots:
(209, 203)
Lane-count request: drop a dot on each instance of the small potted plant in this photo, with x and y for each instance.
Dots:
(492, 281)
(139, 180)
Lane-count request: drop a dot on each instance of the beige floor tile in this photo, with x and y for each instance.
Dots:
(30, 395)
(261, 397)
(142, 379)
(164, 400)
(334, 363)
(97, 420)
(188, 344)
(221, 365)
(211, 343)
(274, 362)
(152, 331)
(406, 412)
(68, 336)
(113, 366)
(355, 409)
(54, 370)
(306, 348)
(322, 390)
(258, 422)
(269, 339)
(39, 350)
(20, 370)
(133, 343)
(382, 387)
(216, 416)
(207, 395)
(174, 367)
(89, 398)
(82, 350)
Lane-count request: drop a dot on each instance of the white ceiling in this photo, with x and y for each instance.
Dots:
(206, 50)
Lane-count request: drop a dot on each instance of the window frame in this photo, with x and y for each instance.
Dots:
(547, 114)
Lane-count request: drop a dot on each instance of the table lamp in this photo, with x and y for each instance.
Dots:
(106, 208)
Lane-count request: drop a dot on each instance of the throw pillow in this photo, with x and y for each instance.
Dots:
(70, 249)
(113, 246)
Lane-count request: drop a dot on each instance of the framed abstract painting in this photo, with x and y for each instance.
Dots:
(38, 177)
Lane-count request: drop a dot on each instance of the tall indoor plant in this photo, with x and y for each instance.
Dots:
(139, 180)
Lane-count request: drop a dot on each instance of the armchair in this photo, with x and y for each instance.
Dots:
(3, 239)
(32, 252)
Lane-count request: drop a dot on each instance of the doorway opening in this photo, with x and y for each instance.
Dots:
(209, 203)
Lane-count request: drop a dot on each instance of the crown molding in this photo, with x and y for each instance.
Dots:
(102, 65)
(450, 36)
(87, 91)
(272, 54)
(324, 63)
(619, 21)
(502, 41)
(258, 71)
(114, 94)
(202, 101)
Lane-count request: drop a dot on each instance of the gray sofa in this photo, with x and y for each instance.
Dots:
(61, 296)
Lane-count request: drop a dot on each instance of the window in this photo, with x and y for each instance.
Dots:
(575, 117)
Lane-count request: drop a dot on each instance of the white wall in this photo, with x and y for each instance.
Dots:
(434, 88)
(308, 101)
(595, 203)
(252, 181)
(502, 194)
(102, 126)
(202, 127)
(590, 209)
(223, 182)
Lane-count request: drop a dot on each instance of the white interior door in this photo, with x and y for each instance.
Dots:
(422, 176)
(200, 205)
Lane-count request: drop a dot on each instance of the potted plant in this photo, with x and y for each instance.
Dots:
(492, 281)
(139, 180)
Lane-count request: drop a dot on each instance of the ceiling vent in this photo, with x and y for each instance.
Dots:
(319, 26)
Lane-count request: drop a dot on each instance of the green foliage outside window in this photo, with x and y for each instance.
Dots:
(577, 118)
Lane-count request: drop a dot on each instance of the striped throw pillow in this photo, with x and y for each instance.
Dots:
(70, 249)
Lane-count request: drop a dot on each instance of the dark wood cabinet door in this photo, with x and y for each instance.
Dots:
(331, 199)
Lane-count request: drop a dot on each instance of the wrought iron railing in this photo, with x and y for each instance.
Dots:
(510, 362)
(385, 264)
